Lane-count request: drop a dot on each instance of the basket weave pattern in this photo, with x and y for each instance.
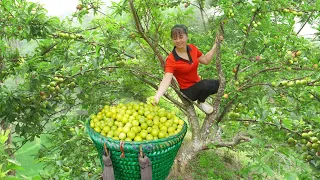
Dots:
(161, 153)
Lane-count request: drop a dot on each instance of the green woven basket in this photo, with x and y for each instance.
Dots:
(161, 152)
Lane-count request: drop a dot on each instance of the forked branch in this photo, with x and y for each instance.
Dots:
(237, 139)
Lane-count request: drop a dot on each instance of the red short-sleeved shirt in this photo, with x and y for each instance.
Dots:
(183, 70)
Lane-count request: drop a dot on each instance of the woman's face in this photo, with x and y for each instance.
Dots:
(180, 40)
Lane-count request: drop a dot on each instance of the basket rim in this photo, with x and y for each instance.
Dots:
(181, 133)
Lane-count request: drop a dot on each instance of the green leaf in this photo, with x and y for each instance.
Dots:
(256, 168)
(256, 141)
(267, 169)
(36, 178)
(60, 135)
(95, 63)
(32, 5)
(291, 176)
(269, 154)
(212, 146)
(277, 123)
(286, 122)
(4, 136)
(13, 164)
(75, 70)
(263, 115)
(98, 48)
(76, 130)
(13, 161)
(80, 19)
(59, 163)
(11, 178)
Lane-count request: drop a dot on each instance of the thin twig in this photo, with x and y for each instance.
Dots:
(305, 23)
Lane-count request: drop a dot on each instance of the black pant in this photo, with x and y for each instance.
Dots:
(201, 90)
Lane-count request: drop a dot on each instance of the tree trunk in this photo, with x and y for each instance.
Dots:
(191, 148)
(186, 153)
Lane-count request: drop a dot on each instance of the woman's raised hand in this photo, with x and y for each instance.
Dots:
(219, 38)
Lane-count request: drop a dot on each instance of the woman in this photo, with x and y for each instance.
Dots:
(182, 63)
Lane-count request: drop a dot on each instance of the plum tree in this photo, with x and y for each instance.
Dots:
(72, 71)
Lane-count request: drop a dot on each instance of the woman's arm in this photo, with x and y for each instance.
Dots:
(207, 58)
(164, 85)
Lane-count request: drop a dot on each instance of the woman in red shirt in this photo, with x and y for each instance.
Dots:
(182, 63)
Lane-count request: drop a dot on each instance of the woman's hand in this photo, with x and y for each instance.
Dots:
(155, 100)
(219, 38)
(163, 87)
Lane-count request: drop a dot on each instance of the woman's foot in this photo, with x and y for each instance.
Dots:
(207, 108)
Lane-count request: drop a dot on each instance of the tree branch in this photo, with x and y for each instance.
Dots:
(247, 32)
(209, 120)
(193, 121)
(225, 110)
(244, 43)
(173, 86)
(237, 139)
(180, 105)
(143, 35)
(48, 49)
(265, 70)
(267, 123)
(304, 24)
(101, 68)
(201, 12)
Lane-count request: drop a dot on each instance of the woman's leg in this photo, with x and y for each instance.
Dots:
(201, 90)
(209, 87)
